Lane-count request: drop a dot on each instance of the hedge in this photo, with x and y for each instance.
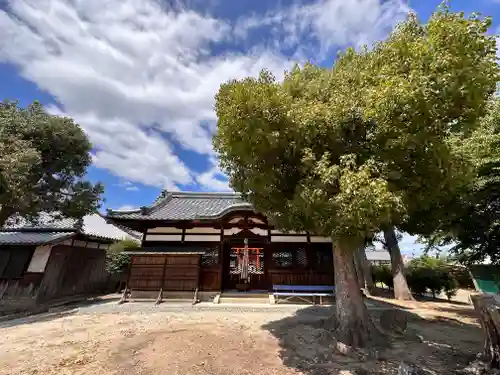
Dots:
(424, 274)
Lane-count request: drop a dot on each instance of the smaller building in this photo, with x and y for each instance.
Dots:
(53, 258)
(378, 257)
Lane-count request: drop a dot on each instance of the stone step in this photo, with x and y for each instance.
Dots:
(261, 300)
(244, 295)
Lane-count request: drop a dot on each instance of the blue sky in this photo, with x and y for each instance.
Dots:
(140, 75)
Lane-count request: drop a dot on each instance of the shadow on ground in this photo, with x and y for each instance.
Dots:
(439, 345)
(389, 293)
(48, 313)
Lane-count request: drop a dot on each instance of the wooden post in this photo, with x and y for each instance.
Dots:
(124, 297)
(159, 299)
(195, 297)
(221, 261)
(125, 294)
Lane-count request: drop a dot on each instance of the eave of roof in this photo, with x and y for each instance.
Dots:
(176, 249)
(33, 238)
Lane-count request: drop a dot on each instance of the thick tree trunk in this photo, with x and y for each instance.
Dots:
(354, 326)
(401, 290)
(488, 309)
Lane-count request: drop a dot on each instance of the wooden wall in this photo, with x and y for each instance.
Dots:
(285, 263)
(170, 272)
(73, 270)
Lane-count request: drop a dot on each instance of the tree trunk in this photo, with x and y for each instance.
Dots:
(360, 272)
(488, 309)
(354, 326)
(367, 270)
(363, 270)
(401, 290)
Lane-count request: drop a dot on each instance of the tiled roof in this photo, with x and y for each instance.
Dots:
(43, 221)
(378, 255)
(32, 238)
(95, 225)
(186, 206)
(92, 225)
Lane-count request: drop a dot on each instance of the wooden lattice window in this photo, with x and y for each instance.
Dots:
(301, 257)
(211, 257)
(282, 258)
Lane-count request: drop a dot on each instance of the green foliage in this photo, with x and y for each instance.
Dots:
(474, 226)
(463, 277)
(116, 260)
(449, 284)
(43, 159)
(433, 275)
(346, 151)
(383, 274)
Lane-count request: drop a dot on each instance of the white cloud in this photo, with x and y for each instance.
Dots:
(126, 208)
(128, 71)
(214, 179)
(132, 71)
(327, 24)
(127, 185)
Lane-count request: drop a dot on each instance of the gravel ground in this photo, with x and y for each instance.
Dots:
(177, 338)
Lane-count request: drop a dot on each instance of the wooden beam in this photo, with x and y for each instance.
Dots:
(160, 294)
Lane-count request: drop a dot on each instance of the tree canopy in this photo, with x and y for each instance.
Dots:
(43, 159)
(345, 151)
(470, 219)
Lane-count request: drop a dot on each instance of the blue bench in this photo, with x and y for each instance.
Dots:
(302, 291)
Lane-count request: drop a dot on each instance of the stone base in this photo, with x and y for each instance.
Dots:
(167, 295)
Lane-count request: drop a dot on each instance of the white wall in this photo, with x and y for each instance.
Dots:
(40, 258)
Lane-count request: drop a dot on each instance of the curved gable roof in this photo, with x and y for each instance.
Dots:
(186, 206)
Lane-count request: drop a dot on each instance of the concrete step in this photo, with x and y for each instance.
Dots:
(245, 295)
(246, 300)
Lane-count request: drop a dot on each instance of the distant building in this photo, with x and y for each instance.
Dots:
(379, 257)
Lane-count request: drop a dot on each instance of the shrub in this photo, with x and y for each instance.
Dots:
(450, 284)
(463, 278)
(417, 280)
(382, 274)
(116, 260)
(431, 274)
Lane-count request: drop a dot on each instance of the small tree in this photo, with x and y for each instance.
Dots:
(116, 260)
(43, 159)
(336, 151)
(432, 274)
(382, 274)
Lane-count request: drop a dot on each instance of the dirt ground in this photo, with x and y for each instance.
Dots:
(137, 338)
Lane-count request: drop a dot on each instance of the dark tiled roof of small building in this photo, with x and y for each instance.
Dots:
(93, 225)
(378, 255)
(33, 238)
(44, 221)
(186, 206)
